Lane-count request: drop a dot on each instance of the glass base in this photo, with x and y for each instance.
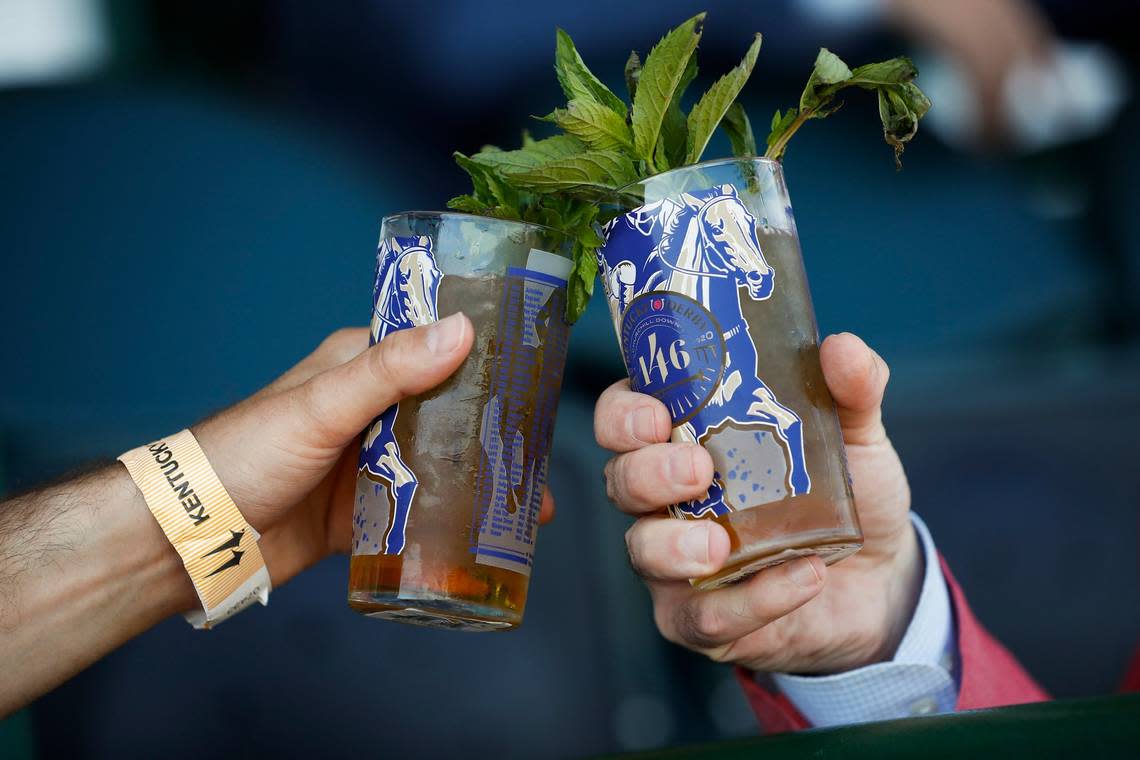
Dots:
(830, 553)
(433, 613)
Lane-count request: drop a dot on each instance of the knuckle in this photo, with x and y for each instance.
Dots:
(310, 403)
(703, 624)
(386, 361)
(607, 413)
(782, 639)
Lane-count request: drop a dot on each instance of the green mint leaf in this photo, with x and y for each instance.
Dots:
(894, 71)
(900, 108)
(592, 174)
(490, 188)
(588, 237)
(527, 141)
(739, 130)
(577, 81)
(579, 223)
(537, 153)
(901, 103)
(829, 72)
(550, 217)
(577, 296)
(481, 189)
(714, 104)
(594, 124)
(662, 74)
(468, 204)
(672, 143)
(580, 286)
(916, 98)
(632, 73)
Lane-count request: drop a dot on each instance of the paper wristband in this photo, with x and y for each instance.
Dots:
(216, 544)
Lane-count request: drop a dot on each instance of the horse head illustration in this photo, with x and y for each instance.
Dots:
(407, 284)
(711, 234)
(728, 231)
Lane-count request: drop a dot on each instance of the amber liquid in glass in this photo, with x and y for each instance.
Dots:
(822, 521)
(448, 582)
(436, 580)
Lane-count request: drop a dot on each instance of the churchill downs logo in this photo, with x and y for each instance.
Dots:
(673, 271)
(404, 295)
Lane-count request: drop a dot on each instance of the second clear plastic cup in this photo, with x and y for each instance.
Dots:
(450, 482)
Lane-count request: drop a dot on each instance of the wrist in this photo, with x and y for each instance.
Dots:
(903, 585)
(167, 588)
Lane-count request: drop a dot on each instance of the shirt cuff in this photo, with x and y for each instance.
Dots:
(919, 680)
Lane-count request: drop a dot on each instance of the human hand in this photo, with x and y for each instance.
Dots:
(288, 454)
(797, 617)
(987, 40)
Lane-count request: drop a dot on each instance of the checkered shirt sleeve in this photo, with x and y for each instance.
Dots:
(920, 680)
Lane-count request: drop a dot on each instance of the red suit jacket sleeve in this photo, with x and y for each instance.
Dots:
(990, 675)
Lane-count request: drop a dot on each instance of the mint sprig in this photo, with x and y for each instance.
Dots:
(607, 143)
(901, 103)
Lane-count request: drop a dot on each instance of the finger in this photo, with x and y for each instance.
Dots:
(857, 378)
(651, 479)
(338, 348)
(665, 549)
(718, 618)
(340, 402)
(546, 513)
(626, 421)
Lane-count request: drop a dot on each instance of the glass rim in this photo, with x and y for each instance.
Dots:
(712, 162)
(463, 216)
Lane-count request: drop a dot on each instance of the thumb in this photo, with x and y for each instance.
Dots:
(342, 401)
(857, 378)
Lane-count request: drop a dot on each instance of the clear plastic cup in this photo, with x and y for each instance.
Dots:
(451, 481)
(706, 285)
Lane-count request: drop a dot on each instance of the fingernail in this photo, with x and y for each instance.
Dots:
(645, 425)
(681, 468)
(443, 336)
(695, 543)
(802, 572)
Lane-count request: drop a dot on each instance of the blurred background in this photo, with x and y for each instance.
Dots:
(190, 195)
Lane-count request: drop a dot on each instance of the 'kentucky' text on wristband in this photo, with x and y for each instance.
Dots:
(217, 546)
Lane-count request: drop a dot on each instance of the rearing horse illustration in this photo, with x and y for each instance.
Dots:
(405, 292)
(708, 250)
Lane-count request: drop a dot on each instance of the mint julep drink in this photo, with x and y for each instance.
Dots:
(707, 290)
(450, 482)
(701, 266)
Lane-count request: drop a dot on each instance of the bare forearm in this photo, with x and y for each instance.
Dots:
(83, 568)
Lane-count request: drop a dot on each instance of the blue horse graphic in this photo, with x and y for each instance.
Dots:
(406, 289)
(704, 245)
